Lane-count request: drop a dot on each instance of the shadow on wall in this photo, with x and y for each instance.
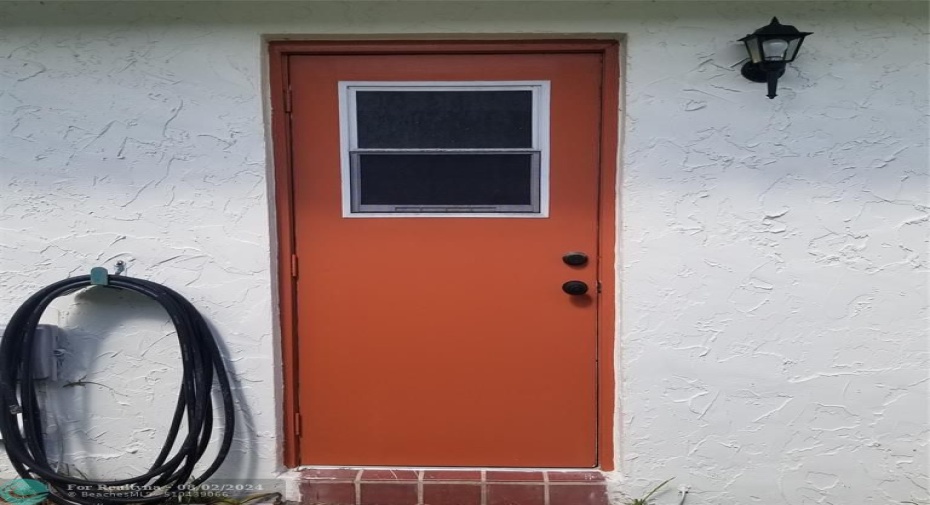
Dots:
(109, 412)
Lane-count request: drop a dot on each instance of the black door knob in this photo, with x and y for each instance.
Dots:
(575, 259)
(575, 288)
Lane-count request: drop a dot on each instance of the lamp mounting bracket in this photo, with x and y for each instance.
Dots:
(756, 72)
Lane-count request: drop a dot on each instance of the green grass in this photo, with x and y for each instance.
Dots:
(645, 499)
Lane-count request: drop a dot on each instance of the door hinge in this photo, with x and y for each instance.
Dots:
(297, 423)
(598, 286)
(294, 265)
(288, 99)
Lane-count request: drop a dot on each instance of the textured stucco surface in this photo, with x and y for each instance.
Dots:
(773, 312)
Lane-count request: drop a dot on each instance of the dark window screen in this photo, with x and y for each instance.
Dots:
(444, 119)
(446, 179)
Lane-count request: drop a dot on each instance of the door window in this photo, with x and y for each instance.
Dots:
(432, 149)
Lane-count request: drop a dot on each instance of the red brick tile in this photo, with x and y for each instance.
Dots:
(387, 474)
(453, 475)
(341, 474)
(389, 493)
(451, 494)
(575, 476)
(330, 493)
(514, 476)
(577, 494)
(516, 494)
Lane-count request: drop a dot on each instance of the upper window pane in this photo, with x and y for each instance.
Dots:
(444, 119)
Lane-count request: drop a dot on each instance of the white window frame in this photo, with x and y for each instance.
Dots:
(348, 139)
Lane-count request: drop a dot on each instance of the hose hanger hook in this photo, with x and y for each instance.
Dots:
(99, 276)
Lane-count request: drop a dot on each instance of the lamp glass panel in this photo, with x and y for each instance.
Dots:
(793, 47)
(775, 49)
(755, 50)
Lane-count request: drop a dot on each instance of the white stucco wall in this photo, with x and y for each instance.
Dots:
(773, 255)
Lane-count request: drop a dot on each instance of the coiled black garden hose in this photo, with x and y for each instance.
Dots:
(173, 468)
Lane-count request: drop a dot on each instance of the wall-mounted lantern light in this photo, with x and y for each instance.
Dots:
(770, 49)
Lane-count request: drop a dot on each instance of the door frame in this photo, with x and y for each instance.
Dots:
(280, 51)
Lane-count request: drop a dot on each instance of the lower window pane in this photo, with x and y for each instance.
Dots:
(434, 182)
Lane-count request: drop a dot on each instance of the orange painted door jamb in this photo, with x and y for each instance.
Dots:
(446, 341)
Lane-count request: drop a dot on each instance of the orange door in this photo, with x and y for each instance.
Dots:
(434, 198)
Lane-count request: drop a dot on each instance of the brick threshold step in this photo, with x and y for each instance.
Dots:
(466, 486)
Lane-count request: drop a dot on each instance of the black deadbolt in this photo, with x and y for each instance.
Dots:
(575, 259)
(575, 288)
